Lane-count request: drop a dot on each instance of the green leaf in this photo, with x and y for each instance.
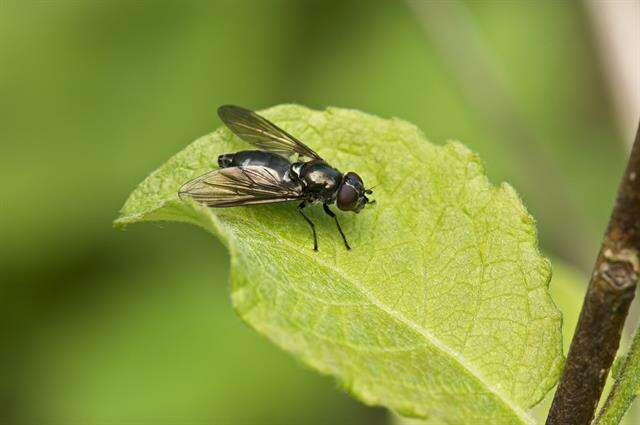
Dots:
(567, 290)
(616, 368)
(442, 307)
(626, 386)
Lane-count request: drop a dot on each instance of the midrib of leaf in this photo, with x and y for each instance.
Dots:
(430, 338)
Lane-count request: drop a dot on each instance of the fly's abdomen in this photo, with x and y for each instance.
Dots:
(226, 160)
(255, 158)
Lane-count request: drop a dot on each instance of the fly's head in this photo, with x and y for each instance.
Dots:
(352, 196)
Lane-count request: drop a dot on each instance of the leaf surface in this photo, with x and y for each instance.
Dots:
(626, 388)
(441, 309)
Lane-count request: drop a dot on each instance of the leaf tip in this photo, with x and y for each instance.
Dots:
(119, 224)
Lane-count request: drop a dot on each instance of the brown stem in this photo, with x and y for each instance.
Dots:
(605, 307)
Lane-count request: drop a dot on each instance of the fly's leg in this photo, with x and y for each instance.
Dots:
(313, 227)
(332, 214)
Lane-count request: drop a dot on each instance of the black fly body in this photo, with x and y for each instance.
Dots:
(266, 175)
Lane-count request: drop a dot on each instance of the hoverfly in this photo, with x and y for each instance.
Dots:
(267, 176)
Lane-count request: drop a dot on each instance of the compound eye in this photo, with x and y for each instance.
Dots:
(347, 198)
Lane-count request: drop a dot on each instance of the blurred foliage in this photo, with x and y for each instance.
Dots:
(101, 325)
(163, 346)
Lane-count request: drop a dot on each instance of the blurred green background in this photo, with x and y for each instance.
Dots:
(108, 327)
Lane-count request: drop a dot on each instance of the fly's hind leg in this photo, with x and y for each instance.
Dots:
(332, 214)
(313, 227)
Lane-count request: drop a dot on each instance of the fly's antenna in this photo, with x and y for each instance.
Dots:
(369, 191)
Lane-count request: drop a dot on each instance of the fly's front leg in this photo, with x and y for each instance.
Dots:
(332, 214)
(313, 227)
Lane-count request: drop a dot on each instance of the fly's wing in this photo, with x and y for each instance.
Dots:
(235, 186)
(262, 133)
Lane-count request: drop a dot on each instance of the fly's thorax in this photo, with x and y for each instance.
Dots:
(320, 180)
(296, 170)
